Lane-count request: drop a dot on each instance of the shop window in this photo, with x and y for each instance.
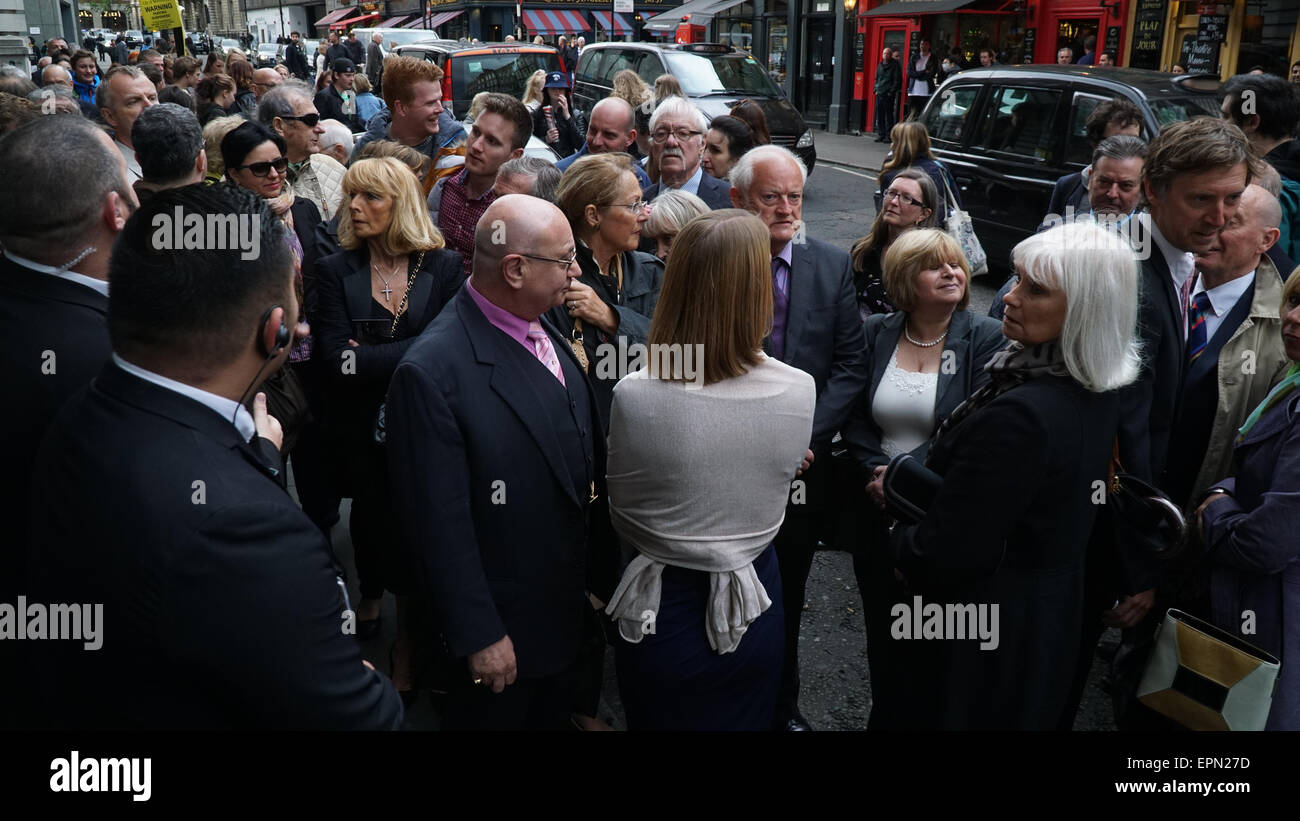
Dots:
(946, 120)
(776, 49)
(1266, 36)
(1019, 121)
(737, 33)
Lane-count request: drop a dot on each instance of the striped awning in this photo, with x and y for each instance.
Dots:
(618, 27)
(393, 22)
(554, 21)
(334, 15)
(352, 21)
(434, 21)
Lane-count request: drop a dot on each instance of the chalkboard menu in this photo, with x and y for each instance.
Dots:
(1030, 35)
(1148, 34)
(913, 46)
(1112, 40)
(1203, 58)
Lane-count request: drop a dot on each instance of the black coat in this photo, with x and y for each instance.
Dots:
(329, 104)
(1009, 527)
(53, 341)
(643, 275)
(296, 62)
(930, 73)
(972, 341)
(222, 604)
(573, 131)
(492, 465)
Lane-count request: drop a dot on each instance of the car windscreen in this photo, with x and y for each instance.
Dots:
(228, 44)
(505, 72)
(403, 38)
(702, 74)
(1172, 109)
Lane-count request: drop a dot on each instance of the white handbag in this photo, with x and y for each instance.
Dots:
(959, 226)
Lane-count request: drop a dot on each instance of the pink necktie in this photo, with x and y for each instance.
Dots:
(544, 350)
(1184, 298)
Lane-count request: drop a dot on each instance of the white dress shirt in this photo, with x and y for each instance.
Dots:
(1182, 266)
(98, 285)
(225, 408)
(1222, 299)
(132, 164)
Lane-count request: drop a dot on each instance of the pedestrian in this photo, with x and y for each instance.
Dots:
(123, 94)
(556, 121)
(727, 140)
(417, 118)
(887, 87)
(911, 149)
(214, 97)
(910, 201)
(368, 105)
(356, 49)
(295, 59)
(338, 100)
(1112, 117)
(168, 143)
(288, 110)
(922, 71)
(612, 130)
(375, 62)
(677, 131)
(1089, 55)
(671, 211)
(245, 97)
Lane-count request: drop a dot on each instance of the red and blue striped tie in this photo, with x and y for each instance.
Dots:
(1197, 338)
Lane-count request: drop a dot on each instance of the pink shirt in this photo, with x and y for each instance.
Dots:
(504, 321)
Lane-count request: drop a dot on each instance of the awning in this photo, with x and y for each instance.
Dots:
(434, 20)
(908, 8)
(554, 21)
(699, 11)
(617, 28)
(334, 15)
(393, 22)
(352, 21)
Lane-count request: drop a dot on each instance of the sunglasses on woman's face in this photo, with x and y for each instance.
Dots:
(261, 169)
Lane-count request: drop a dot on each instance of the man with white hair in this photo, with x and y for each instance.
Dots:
(815, 328)
(336, 141)
(375, 63)
(677, 131)
(612, 128)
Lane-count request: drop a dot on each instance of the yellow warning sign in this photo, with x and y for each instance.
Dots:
(161, 14)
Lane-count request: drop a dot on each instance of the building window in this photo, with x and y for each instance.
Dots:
(1266, 36)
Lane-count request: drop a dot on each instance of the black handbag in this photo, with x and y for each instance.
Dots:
(909, 488)
(1144, 518)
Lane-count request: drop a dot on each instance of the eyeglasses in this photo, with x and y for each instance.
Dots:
(634, 207)
(261, 169)
(901, 197)
(682, 134)
(565, 262)
(308, 120)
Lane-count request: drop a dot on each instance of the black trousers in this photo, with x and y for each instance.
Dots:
(886, 114)
(796, 542)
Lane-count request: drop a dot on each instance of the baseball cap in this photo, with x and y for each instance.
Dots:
(345, 65)
(556, 79)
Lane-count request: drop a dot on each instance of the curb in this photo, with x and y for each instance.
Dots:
(844, 166)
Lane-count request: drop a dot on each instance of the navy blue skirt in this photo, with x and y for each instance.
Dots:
(673, 679)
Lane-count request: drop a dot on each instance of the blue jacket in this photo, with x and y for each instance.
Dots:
(642, 178)
(86, 92)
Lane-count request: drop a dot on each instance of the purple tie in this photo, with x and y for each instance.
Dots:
(780, 305)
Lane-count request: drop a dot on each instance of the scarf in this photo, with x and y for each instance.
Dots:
(1279, 391)
(1015, 365)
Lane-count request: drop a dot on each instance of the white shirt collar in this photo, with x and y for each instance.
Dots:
(132, 164)
(1182, 264)
(97, 285)
(225, 408)
(1225, 296)
(692, 186)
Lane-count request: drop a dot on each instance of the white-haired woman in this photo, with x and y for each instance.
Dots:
(1020, 462)
(669, 214)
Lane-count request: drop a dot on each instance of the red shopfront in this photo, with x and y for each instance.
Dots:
(1019, 31)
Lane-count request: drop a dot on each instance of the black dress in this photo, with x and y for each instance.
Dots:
(357, 383)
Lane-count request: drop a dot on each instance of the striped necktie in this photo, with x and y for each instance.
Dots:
(545, 350)
(1197, 338)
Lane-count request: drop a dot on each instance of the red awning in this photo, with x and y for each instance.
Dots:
(554, 21)
(393, 22)
(434, 20)
(342, 24)
(618, 27)
(334, 15)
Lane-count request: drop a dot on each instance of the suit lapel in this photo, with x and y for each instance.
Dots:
(800, 282)
(513, 385)
(887, 340)
(954, 350)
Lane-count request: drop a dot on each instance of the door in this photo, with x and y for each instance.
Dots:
(892, 35)
(819, 49)
(1073, 31)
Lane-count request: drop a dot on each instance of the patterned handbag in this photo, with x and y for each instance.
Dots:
(960, 227)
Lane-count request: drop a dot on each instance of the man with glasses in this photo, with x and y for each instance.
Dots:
(289, 111)
(677, 131)
(264, 79)
(338, 101)
(498, 461)
(817, 329)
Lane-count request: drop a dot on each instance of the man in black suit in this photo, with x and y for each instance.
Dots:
(816, 328)
(53, 307)
(496, 455)
(294, 59)
(158, 495)
(677, 130)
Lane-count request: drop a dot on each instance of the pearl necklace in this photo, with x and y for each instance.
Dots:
(930, 344)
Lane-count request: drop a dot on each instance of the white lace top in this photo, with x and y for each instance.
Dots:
(903, 407)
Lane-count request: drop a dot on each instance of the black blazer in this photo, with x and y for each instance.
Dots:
(1009, 527)
(222, 605)
(1150, 405)
(972, 341)
(930, 73)
(716, 193)
(489, 459)
(53, 340)
(823, 333)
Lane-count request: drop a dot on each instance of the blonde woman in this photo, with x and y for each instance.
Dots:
(699, 608)
(213, 133)
(395, 258)
(533, 91)
(629, 86)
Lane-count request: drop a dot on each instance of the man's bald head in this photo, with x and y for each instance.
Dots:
(515, 244)
(1265, 208)
(265, 79)
(1248, 235)
(56, 75)
(612, 126)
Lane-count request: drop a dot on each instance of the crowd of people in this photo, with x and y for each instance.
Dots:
(429, 323)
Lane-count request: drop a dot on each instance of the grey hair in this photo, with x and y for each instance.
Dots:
(45, 72)
(40, 221)
(336, 133)
(1098, 271)
(167, 140)
(672, 210)
(681, 107)
(43, 93)
(1269, 179)
(742, 173)
(1120, 147)
(546, 177)
(278, 102)
(103, 97)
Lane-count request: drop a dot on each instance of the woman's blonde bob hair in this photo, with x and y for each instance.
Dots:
(717, 292)
(410, 228)
(1098, 271)
(913, 252)
(592, 180)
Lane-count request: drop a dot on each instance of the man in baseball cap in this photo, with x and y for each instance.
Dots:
(338, 101)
